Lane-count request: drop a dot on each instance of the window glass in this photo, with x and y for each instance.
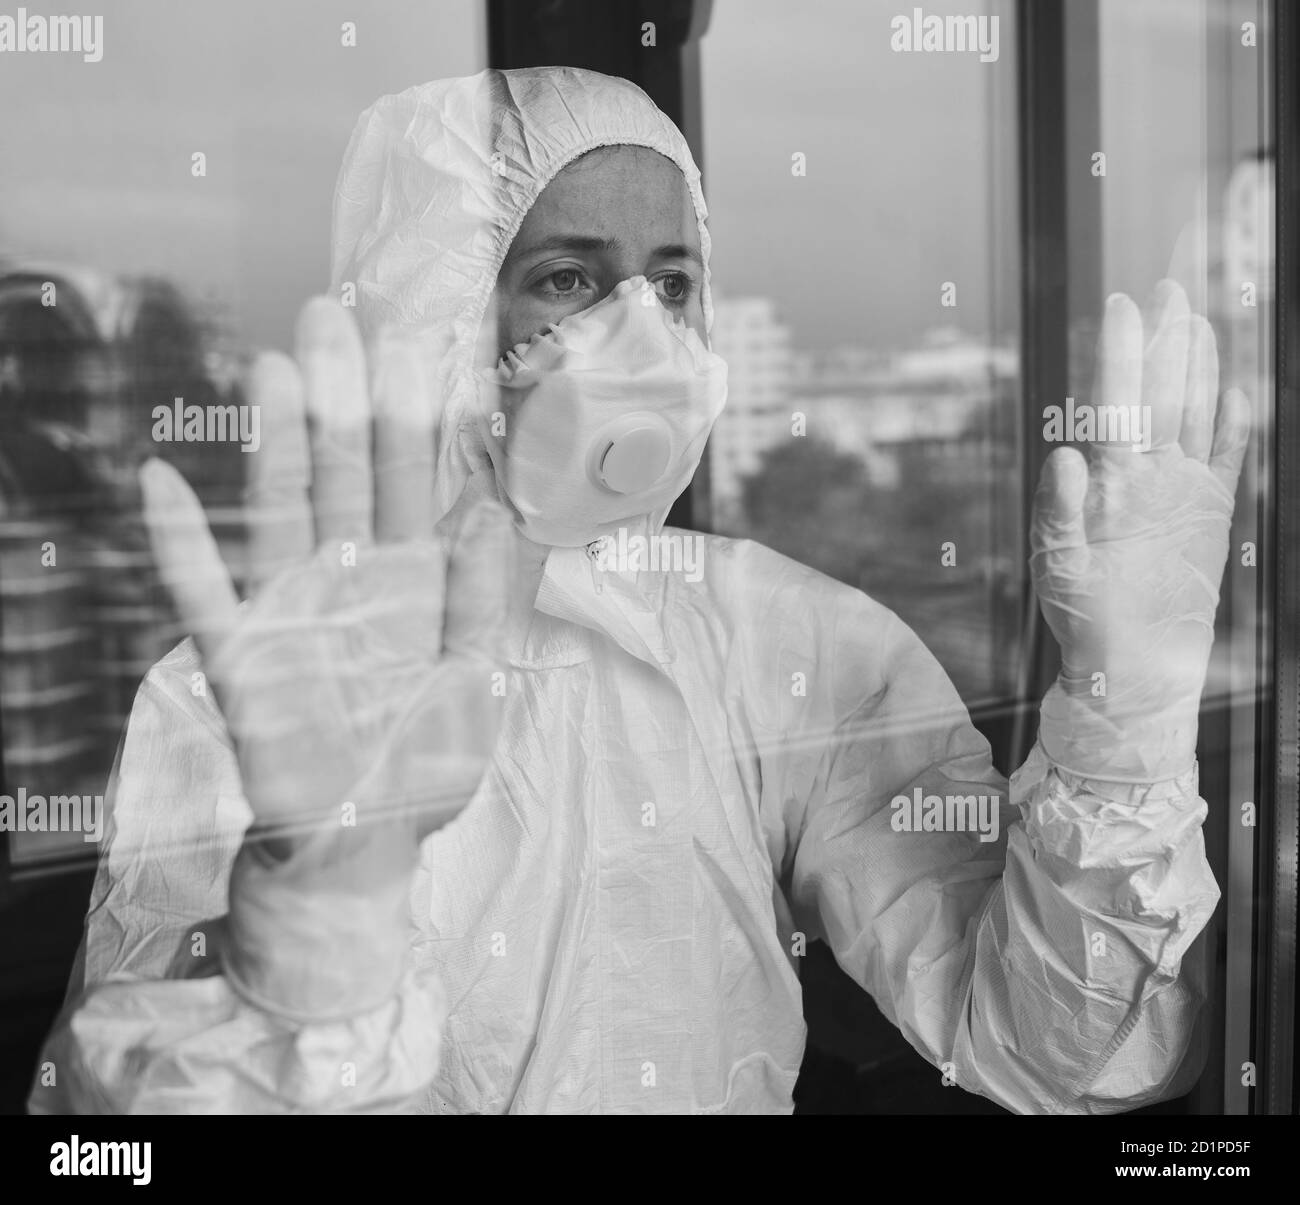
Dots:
(871, 426)
(166, 211)
(1188, 193)
(1180, 158)
(866, 272)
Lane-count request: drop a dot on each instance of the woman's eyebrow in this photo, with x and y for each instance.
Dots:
(589, 242)
(678, 251)
(572, 242)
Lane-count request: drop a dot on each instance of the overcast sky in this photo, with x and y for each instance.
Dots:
(97, 164)
(909, 159)
(910, 176)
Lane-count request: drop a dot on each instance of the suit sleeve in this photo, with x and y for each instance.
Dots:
(1038, 961)
(214, 980)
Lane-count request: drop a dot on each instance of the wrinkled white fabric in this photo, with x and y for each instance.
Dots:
(694, 770)
(577, 945)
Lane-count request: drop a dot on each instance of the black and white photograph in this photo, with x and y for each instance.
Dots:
(650, 557)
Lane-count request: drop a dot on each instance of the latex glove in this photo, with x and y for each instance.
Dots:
(1128, 550)
(357, 683)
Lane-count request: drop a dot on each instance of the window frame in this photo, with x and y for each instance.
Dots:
(1280, 813)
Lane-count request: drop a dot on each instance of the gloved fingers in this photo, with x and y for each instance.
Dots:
(1118, 378)
(1231, 436)
(480, 581)
(1058, 534)
(1164, 366)
(277, 497)
(186, 555)
(1202, 391)
(333, 364)
(405, 431)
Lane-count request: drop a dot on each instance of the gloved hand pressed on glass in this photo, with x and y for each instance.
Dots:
(357, 681)
(1129, 545)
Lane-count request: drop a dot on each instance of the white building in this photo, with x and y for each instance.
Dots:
(865, 403)
(756, 346)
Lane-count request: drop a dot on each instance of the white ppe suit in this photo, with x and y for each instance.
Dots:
(694, 770)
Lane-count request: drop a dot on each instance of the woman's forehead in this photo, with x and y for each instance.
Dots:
(628, 194)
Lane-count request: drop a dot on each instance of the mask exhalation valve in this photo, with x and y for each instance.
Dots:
(630, 454)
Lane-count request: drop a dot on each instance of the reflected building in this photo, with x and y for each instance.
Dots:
(84, 359)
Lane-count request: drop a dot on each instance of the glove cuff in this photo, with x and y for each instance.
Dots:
(324, 934)
(1085, 739)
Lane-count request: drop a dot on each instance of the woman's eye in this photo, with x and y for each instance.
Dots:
(564, 280)
(675, 287)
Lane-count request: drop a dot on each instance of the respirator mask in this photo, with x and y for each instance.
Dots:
(602, 419)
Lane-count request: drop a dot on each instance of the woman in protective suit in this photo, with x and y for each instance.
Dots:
(497, 796)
